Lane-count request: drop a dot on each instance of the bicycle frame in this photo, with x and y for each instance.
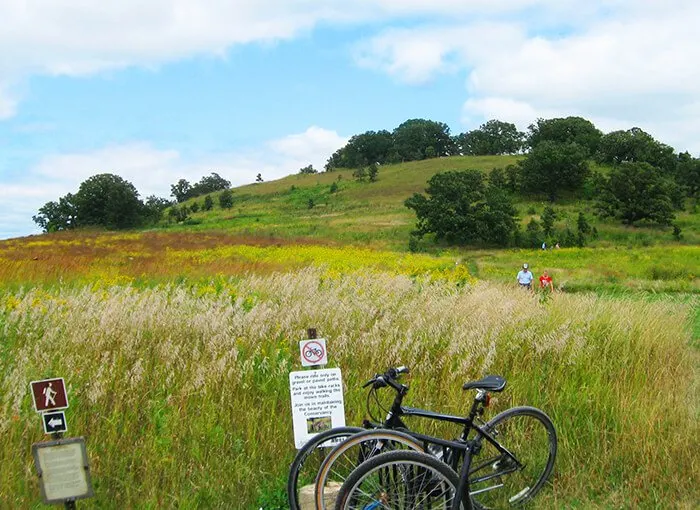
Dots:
(463, 447)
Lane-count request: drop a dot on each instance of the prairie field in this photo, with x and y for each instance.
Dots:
(180, 386)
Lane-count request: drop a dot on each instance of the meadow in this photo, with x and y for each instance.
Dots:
(181, 388)
(177, 342)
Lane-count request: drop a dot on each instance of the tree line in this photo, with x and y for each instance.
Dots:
(647, 180)
(109, 201)
(646, 183)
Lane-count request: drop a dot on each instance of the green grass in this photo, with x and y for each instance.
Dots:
(182, 390)
(374, 214)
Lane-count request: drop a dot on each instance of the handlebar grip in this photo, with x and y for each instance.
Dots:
(402, 370)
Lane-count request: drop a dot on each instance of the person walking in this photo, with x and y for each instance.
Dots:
(546, 281)
(525, 277)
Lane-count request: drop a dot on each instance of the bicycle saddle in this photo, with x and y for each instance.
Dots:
(489, 383)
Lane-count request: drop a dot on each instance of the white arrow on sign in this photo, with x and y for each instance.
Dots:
(53, 422)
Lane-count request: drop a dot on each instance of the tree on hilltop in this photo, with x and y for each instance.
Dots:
(635, 146)
(492, 138)
(565, 130)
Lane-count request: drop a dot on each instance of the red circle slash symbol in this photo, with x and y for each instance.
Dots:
(313, 352)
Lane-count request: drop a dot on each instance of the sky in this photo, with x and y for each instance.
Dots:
(163, 90)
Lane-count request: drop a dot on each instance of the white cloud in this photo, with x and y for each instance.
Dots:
(65, 37)
(631, 66)
(153, 170)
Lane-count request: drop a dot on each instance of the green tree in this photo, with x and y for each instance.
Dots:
(688, 174)
(109, 201)
(497, 178)
(635, 192)
(548, 218)
(182, 190)
(492, 138)
(208, 203)
(155, 206)
(552, 167)
(565, 130)
(210, 184)
(308, 170)
(55, 216)
(360, 174)
(194, 207)
(459, 208)
(413, 138)
(635, 146)
(334, 187)
(533, 234)
(226, 199)
(583, 229)
(373, 172)
(363, 149)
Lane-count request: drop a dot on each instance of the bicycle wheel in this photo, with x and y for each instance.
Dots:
(400, 480)
(496, 481)
(349, 454)
(307, 461)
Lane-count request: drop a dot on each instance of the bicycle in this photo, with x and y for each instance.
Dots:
(450, 451)
(500, 468)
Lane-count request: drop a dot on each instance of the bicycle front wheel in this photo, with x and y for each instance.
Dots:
(307, 462)
(400, 480)
(498, 481)
(352, 452)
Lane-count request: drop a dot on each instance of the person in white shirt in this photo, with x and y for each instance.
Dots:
(525, 277)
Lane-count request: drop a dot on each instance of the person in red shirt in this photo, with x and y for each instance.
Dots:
(546, 281)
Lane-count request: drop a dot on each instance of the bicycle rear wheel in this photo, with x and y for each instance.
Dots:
(305, 466)
(352, 452)
(496, 481)
(400, 480)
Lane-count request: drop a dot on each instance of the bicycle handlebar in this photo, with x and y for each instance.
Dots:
(388, 379)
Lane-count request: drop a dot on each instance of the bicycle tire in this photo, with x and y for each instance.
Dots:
(346, 456)
(400, 480)
(529, 434)
(303, 455)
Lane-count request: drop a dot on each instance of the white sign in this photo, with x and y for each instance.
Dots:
(63, 469)
(317, 402)
(313, 352)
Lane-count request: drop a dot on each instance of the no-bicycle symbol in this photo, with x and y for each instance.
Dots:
(313, 352)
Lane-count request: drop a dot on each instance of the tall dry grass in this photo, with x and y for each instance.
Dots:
(182, 391)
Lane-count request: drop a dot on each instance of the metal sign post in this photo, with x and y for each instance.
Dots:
(62, 464)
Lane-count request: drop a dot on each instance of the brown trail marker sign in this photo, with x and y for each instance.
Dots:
(49, 394)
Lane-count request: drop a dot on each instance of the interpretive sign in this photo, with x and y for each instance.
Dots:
(49, 394)
(313, 352)
(63, 470)
(54, 422)
(317, 402)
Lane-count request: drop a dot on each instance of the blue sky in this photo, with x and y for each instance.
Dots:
(178, 89)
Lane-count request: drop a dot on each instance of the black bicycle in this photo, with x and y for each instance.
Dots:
(500, 478)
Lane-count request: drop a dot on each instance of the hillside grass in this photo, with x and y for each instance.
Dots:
(181, 390)
(152, 257)
(374, 213)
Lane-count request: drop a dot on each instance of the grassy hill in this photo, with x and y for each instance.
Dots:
(374, 214)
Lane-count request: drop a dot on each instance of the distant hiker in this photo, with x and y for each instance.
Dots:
(525, 277)
(544, 246)
(556, 246)
(546, 281)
